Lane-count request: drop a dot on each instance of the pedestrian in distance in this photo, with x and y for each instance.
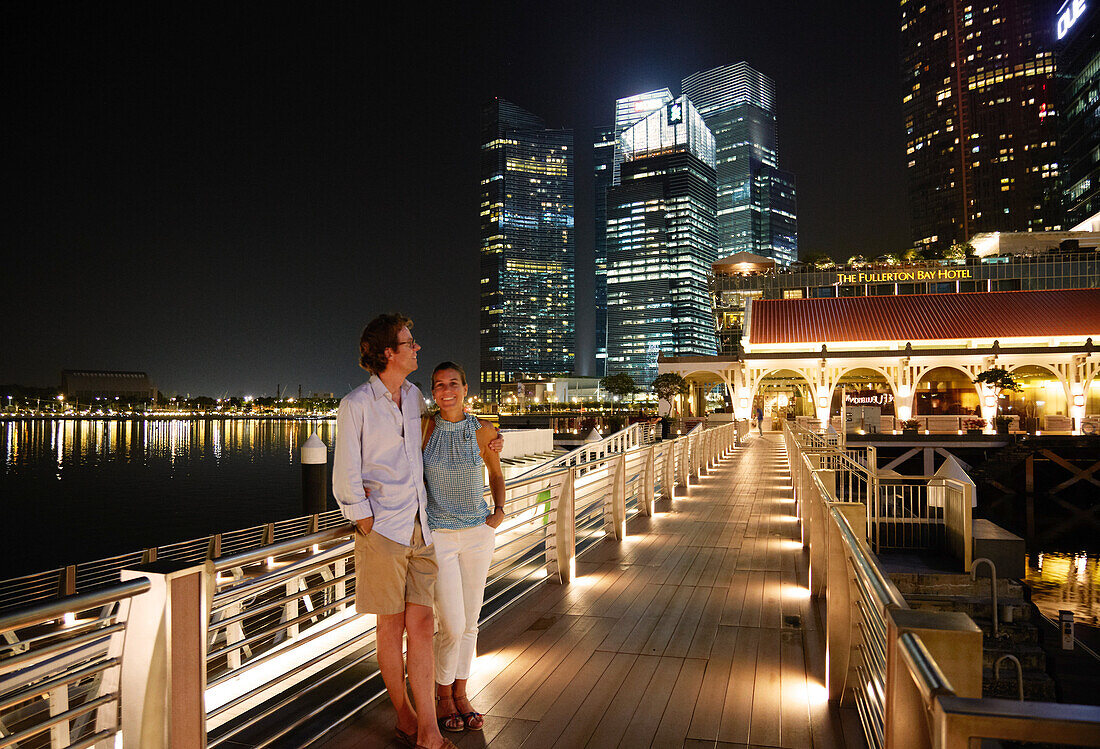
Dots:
(760, 420)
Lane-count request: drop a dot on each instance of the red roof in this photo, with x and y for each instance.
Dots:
(923, 317)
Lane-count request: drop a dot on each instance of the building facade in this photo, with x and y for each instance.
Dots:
(1078, 30)
(735, 284)
(980, 108)
(527, 247)
(756, 200)
(661, 242)
(603, 165)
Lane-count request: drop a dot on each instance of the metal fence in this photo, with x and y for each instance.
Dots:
(913, 677)
(60, 669)
(231, 628)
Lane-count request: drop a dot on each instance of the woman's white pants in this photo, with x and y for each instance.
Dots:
(463, 557)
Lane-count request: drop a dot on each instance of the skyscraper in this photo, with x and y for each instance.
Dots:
(978, 98)
(527, 247)
(756, 200)
(661, 241)
(603, 163)
(1078, 32)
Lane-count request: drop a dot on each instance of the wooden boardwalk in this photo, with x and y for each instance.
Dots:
(696, 631)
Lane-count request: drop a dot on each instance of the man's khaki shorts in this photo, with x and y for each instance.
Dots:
(388, 574)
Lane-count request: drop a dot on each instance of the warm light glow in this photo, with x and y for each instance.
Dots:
(796, 591)
(816, 692)
(1078, 400)
(823, 402)
(69, 619)
(990, 401)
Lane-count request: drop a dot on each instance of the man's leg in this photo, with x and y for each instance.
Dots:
(419, 624)
(388, 634)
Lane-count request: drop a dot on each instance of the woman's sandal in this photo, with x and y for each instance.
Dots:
(470, 718)
(453, 722)
(407, 739)
(447, 744)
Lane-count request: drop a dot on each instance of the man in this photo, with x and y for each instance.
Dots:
(378, 444)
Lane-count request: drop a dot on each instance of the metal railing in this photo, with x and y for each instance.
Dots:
(625, 439)
(267, 612)
(876, 658)
(60, 669)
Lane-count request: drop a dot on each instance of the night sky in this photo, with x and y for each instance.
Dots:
(223, 195)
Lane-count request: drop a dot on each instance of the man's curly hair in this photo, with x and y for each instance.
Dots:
(379, 335)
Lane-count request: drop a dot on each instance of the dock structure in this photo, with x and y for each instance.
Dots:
(696, 630)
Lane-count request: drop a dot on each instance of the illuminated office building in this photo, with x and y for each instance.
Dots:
(603, 163)
(756, 199)
(978, 100)
(1078, 30)
(661, 241)
(629, 111)
(527, 247)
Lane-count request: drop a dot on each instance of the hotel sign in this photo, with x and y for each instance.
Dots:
(1070, 13)
(902, 276)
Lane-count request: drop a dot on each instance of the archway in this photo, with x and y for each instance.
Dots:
(946, 391)
(1043, 394)
(783, 394)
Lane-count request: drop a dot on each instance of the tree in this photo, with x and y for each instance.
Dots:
(1001, 380)
(669, 385)
(857, 261)
(912, 255)
(619, 384)
(958, 251)
(818, 260)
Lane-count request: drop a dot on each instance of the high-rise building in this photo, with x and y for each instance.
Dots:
(1078, 30)
(661, 241)
(981, 127)
(603, 162)
(527, 247)
(756, 200)
(629, 111)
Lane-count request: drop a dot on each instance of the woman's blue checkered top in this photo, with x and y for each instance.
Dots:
(454, 475)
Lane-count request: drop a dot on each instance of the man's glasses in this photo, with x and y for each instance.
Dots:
(411, 342)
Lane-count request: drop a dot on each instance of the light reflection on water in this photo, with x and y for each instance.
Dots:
(1070, 582)
(76, 490)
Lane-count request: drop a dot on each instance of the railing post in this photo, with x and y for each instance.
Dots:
(955, 643)
(649, 482)
(617, 516)
(685, 470)
(668, 474)
(840, 619)
(561, 557)
(164, 664)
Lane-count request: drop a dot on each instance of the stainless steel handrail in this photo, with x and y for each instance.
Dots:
(56, 609)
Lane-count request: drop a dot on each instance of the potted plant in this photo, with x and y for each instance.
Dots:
(910, 426)
(1001, 422)
(973, 426)
(1001, 381)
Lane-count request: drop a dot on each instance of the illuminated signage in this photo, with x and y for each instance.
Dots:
(868, 399)
(898, 276)
(675, 111)
(1070, 14)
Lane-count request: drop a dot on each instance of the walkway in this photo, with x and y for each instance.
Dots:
(696, 631)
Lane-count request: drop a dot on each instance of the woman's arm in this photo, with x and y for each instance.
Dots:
(486, 433)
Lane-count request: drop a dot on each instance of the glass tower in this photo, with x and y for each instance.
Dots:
(756, 200)
(661, 242)
(527, 248)
(981, 130)
(603, 162)
(1078, 30)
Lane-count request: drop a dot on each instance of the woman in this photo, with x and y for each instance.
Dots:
(456, 450)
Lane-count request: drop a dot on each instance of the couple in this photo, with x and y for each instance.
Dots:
(414, 488)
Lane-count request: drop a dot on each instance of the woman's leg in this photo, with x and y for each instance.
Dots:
(473, 562)
(448, 606)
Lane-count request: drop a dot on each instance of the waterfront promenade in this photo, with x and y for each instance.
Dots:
(697, 630)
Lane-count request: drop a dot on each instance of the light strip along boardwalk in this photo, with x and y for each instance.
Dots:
(696, 631)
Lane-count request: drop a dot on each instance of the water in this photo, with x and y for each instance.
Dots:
(77, 490)
(1070, 582)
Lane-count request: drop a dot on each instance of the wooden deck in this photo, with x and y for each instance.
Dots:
(696, 631)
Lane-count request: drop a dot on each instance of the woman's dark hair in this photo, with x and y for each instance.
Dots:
(449, 365)
(379, 335)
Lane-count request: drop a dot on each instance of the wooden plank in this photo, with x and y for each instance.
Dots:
(795, 726)
(582, 723)
(630, 617)
(639, 635)
(754, 599)
(562, 676)
(707, 630)
(647, 717)
(510, 703)
(616, 718)
(737, 706)
(673, 728)
(707, 717)
(680, 637)
(767, 702)
(771, 609)
(560, 714)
